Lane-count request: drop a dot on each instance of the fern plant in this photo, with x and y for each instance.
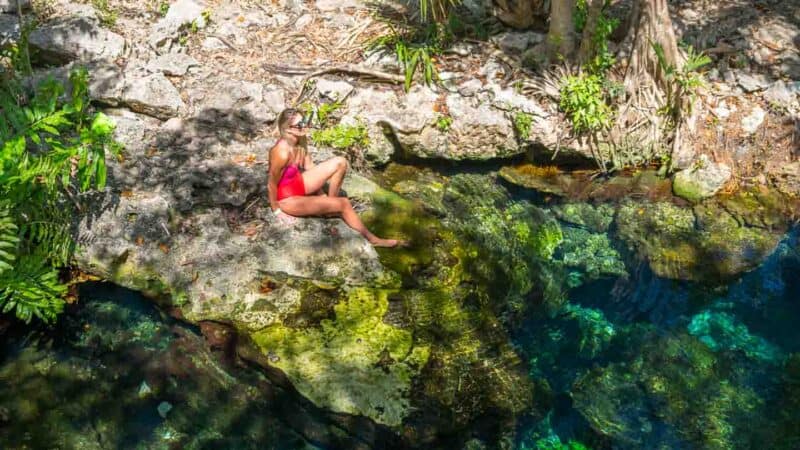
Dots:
(52, 149)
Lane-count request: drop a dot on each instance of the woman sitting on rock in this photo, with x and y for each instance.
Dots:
(294, 181)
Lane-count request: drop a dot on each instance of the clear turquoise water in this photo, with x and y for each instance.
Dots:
(627, 362)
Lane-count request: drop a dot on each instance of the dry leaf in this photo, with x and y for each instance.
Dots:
(126, 194)
(139, 241)
(164, 248)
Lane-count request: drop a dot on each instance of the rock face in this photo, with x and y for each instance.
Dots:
(478, 131)
(238, 105)
(153, 95)
(75, 38)
(704, 180)
(10, 6)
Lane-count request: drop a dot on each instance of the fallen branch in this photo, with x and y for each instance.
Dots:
(349, 69)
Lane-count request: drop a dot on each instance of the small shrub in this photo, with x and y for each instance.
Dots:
(583, 100)
(341, 136)
(163, 8)
(522, 124)
(443, 123)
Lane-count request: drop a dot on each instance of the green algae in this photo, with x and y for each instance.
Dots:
(722, 331)
(594, 218)
(704, 244)
(596, 332)
(589, 255)
(676, 379)
(353, 363)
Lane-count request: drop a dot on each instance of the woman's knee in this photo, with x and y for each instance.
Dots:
(344, 203)
(341, 163)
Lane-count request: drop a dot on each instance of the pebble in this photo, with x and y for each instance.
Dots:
(163, 409)
(753, 120)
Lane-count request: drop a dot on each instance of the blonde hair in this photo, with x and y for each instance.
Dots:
(284, 118)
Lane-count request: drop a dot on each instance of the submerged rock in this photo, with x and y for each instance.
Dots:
(673, 393)
(354, 363)
(678, 245)
(722, 331)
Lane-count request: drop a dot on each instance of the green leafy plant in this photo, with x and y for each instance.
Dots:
(52, 149)
(106, 14)
(682, 83)
(341, 136)
(436, 10)
(415, 50)
(443, 123)
(583, 100)
(163, 8)
(522, 124)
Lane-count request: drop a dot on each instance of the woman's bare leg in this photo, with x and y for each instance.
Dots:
(332, 171)
(321, 206)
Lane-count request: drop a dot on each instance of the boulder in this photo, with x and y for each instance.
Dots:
(174, 64)
(238, 105)
(181, 14)
(707, 244)
(153, 95)
(75, 38)
(752, 82)
(704, 179)
(478, 131)
(782, 93)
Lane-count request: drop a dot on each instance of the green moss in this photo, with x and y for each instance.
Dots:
(354, 363)
(522, 124)
(703, 244)
(594, 218)
(678, 380)
(591, 254)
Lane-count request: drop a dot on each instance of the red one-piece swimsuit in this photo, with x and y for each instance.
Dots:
(291, 182)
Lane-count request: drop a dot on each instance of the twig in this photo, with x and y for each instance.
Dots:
(355, 70)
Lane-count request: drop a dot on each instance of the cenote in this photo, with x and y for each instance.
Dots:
(586, 317)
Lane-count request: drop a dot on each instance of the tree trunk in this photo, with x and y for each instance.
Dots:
(650, 24)
(561, 35)
(588, 46)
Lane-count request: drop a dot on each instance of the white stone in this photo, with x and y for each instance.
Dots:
(180, 14)
(334, 89)
(752, 121)
(176, 64)
(153, 95)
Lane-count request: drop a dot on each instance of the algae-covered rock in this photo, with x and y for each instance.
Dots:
(701, 181)
(722, 331)
(548, 180)
(676, 380)
(353, 363)
(591, 253)
(678, 245)
(594, 218)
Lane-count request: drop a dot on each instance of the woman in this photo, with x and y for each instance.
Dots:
(292, 191)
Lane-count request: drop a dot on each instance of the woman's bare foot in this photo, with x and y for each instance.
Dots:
(388, 243)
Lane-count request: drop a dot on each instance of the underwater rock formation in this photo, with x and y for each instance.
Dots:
(678, 380)
(695, 245)
(722, 331)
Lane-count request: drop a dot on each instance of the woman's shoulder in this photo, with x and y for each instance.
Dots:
(281, 149)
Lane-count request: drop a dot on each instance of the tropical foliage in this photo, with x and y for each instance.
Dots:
(52, 150)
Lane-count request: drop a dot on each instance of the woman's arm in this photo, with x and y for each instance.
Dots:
(278, 157)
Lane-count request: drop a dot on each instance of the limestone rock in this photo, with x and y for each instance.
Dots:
(782, 93)
(334, 89)
(75, 38)
(517, 42)
(239, 105)
(701, 181)
(153, 95)
(10, 6)
(182, 13)
(752, 121)
(752, 82)
(176, 64)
